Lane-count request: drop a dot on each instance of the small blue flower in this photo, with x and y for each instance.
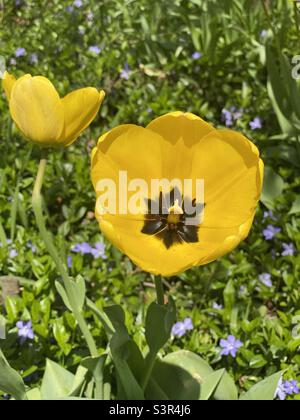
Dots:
(181, 328)
(280, 390)
(25, 331)
(265, 278)
(288, 250)
(31, 246)
(263, 34)
(270, 232)
(197, 55)
(256, 123)
(99, 251)
(268, 214)
(227, 117)
(217, 307)
(90, 16)
(69, 261)
(33, 58)
(20, 52)
(78, 3)
(13, 253)
(95, 49)
(291, 387)
(230, 346)
(70, 9)
(125, 73)
(82, 248)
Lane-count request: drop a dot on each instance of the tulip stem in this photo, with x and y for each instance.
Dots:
(47, 238)
(159, 290)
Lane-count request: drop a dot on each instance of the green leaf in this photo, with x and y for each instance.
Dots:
(273, 187)
(296, 206)
(95, 366)
(264, 390)
(79, 291)
(159, 322)
(57, 382)
(10, 381)
(63, 294)
(226, 390)
(210, 384)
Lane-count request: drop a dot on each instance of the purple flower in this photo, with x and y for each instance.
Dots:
(125, 73)
(197, 55)
(291, 387)
(12, 61)
(20, 52)
(99, 250)
(78, 3)
(90, 16)
(25, 331)
(69, 261)
(217, 307)
(268, 214)
(264, 33)
(227, 117)
(256, 123)
(181, 328)
(265, 278)
(33, 59)
(31, 246)
(280, 390)
(288, 250)
(70, 9)
(13, 253)
(230, 346)
(82, 248)
(270, 232)
(95, 49)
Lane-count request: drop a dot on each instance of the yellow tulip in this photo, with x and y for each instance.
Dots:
(45, 118)
(182, 146)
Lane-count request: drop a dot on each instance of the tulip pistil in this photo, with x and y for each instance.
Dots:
(169, 223)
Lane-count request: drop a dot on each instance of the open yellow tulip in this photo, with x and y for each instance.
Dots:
(178, 146)
(45, 118)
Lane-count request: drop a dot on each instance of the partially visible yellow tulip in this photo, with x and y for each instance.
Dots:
(45, 118)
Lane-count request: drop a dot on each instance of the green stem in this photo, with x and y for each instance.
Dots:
(151, 357)
(46, 236)
(159, 290)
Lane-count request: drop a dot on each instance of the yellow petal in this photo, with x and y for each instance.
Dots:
(183, 131)
(80, 108)
(37, 109)
(230, 166)
(8, 83)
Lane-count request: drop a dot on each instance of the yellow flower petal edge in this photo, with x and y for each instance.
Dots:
(45, 118)
(184, 146)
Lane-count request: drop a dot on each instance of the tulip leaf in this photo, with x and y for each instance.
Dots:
(10, 381)
(159, 322)
(273, 188)
(63, 294)
(79, 291)
(264, 390)
(210, 384)
(57, 382)
(127, 358)
(226, 390)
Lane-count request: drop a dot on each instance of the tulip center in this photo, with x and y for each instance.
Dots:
(167, 219)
